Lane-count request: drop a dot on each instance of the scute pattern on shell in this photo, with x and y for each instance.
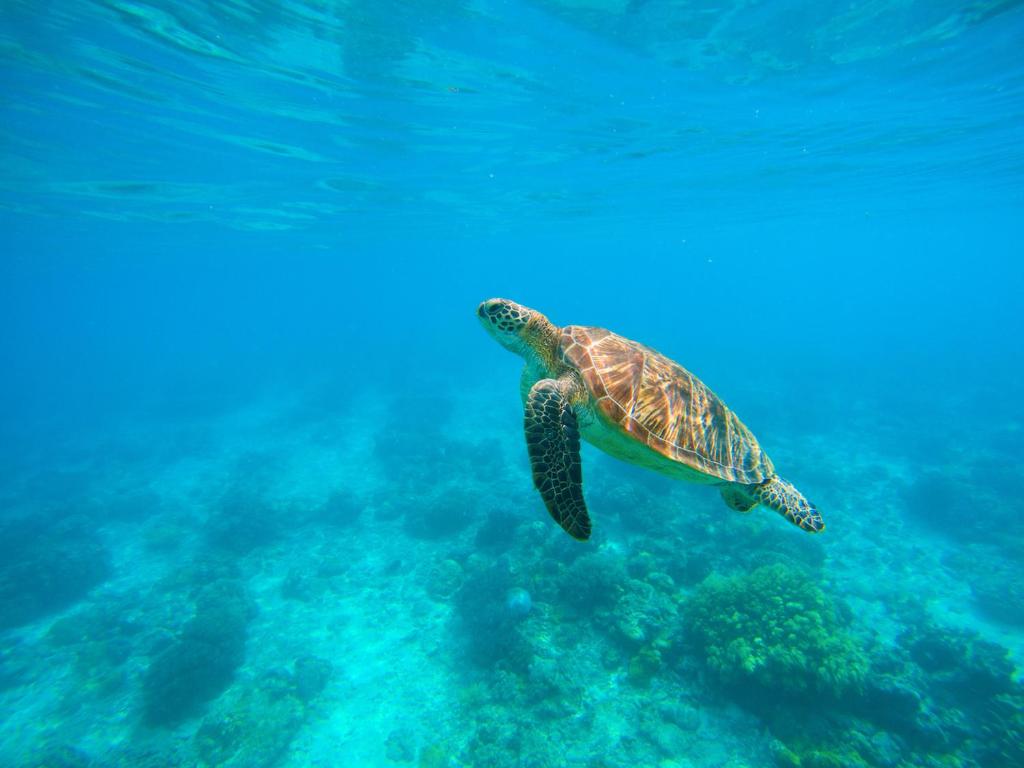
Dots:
(659, 403)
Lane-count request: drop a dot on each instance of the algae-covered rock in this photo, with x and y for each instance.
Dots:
(775, 631)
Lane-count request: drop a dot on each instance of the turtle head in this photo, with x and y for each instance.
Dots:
(512, 325)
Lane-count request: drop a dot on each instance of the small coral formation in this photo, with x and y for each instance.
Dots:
(201, 663)
(774, 632)
(47, 565)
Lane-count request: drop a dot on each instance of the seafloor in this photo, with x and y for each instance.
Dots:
(369, 580)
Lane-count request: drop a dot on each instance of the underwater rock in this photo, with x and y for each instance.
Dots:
(685, 565)
(962, 662)
(497, 531)
(244, 519)
(47, 565)
(438, 518)
(518, 603)
(433, 756)
(890, 701)
(444, 579)
(642, 611)
(948, 505)
(401, 745)
(63, 757)
(591, 582)
(131, 504)
(202, 662)
(490, 630)
(186, 676)
(669, 738)
(300, 584)
(13, 671)
(311, 677)
(251, 727)
(1002, 725)
(998, 588)
(685, 715)
(773, 633)
(883, 750)
(341, 509)
(165, 536)
(644, 666)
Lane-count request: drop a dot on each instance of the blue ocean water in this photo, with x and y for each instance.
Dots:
(265, 497)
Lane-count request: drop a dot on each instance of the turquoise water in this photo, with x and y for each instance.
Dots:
(265, 497)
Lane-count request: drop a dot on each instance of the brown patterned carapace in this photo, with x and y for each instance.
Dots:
(661, 404)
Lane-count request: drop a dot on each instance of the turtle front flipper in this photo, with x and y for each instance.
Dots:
(790, 503)
(738, 499)
(553, 442)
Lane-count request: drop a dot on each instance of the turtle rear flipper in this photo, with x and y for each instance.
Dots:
(553, 442)
(790, 503)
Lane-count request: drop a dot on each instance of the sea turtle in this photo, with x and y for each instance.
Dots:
(632, 403)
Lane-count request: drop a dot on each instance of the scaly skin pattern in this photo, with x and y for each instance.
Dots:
(553, 442)
(790, 503)
(661, 405)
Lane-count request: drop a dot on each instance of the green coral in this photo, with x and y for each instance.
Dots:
(774, 629)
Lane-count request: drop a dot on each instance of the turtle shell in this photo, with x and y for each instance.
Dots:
(657, 402)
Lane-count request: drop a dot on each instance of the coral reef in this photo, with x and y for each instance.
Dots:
(775, 633)
(201, 663)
